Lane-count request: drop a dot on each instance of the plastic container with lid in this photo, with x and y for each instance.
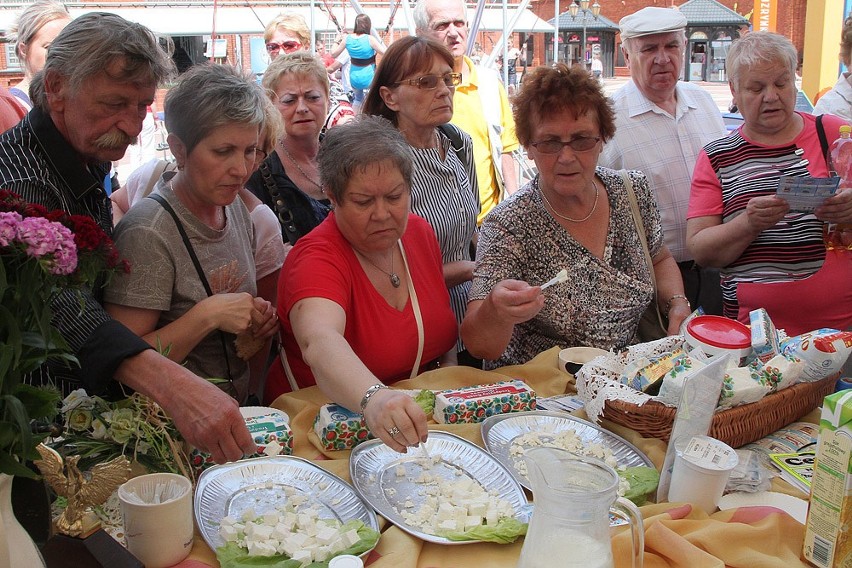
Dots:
(716, 335)
(346, 561)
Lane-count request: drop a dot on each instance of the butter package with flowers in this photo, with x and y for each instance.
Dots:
(476, 403)
(339, 428)
(269, 429)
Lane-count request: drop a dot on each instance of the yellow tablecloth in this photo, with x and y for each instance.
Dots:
(676, 535)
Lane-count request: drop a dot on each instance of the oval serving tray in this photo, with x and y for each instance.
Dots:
(259, 483)
(373, 469)
(500, 430)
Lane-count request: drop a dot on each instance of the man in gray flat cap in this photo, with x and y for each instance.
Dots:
(661, 126)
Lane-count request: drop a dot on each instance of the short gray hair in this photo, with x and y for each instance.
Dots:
(91, 43)
(32, 19)
(421, 15)
(209, 96)
(352, 147)
(760, 48)
(302, 63)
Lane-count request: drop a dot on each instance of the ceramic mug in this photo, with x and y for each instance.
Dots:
(157, 511)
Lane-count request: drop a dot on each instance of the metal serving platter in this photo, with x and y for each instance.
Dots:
(500, 430)
(259, 483)
(373, 469)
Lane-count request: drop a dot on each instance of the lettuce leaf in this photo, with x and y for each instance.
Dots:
(643, 480)
(231, 555)
(507, 530)
(426, 400)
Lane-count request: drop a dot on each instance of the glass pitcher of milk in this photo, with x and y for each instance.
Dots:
(572, 497)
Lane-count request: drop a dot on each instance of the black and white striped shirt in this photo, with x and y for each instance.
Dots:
(37, 163)
(444, 192)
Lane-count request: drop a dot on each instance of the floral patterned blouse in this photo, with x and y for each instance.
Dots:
(603, 299)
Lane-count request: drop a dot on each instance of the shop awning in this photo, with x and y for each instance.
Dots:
(199, 20)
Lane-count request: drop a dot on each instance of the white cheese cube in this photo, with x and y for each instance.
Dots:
(446, 511)
(476, 509)
(260, 548)
(261, 532)
(303, 556)
(350, 537)
(248, 515)
(280, 532)
(228, 532)
(228, 521)
(299, 540)
(472, 522)
(448, 525)
(270, 519)
(322, 553)
(325, 536)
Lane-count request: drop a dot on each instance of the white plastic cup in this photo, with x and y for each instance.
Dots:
(159, 534)
(698, 479)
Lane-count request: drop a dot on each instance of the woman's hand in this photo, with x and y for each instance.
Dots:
(232, 313)
(488, 324)
(764, 212)
(678, 312)
(264, 320)
(516, 301)
(395, 419)
(837, 208)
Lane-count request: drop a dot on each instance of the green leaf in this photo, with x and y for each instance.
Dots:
(643, 480)
(506, 531)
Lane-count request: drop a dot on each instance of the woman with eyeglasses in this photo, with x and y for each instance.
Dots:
(572, 216)
(193, 290)
(362, 48)
(413, 89)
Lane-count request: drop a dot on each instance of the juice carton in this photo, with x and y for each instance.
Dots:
(828, 540)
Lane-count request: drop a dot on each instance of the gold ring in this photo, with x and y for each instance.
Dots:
(393, 431)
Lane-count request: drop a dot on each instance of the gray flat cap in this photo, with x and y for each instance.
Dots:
(651, 20)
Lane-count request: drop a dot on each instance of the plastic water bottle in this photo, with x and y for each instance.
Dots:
(838, 236)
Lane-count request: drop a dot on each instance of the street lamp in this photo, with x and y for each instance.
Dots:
(583, 5)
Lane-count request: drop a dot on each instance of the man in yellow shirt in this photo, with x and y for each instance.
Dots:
(480, 105)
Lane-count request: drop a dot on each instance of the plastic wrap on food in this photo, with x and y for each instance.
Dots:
(823, 352)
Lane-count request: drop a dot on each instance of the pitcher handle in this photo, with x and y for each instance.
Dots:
(630, 512)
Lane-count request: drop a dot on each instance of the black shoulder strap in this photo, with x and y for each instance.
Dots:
(456, 141)
(195, 262)
(162, 201)
(823, 143)
(285, 216)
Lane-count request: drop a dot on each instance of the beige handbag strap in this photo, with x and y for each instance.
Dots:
(418, 317)
(640, 227)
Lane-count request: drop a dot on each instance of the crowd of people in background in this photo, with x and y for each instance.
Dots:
(301, 237)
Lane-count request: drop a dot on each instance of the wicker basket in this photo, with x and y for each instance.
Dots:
(736, 426)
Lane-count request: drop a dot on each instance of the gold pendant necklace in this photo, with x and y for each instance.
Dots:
(561, 216)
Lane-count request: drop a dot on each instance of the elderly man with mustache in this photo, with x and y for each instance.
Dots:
(90, 99)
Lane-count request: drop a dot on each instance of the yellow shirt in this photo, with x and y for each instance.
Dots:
(468, 115)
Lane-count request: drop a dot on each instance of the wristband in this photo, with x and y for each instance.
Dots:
(369, 393)
(675, 297)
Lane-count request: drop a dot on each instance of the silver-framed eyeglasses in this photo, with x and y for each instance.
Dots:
(429, 82)
(577, 144)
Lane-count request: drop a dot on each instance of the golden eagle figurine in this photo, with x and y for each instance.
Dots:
(81, 491)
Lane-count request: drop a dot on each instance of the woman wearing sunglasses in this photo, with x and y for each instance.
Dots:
(573, 216)
(413, 89)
